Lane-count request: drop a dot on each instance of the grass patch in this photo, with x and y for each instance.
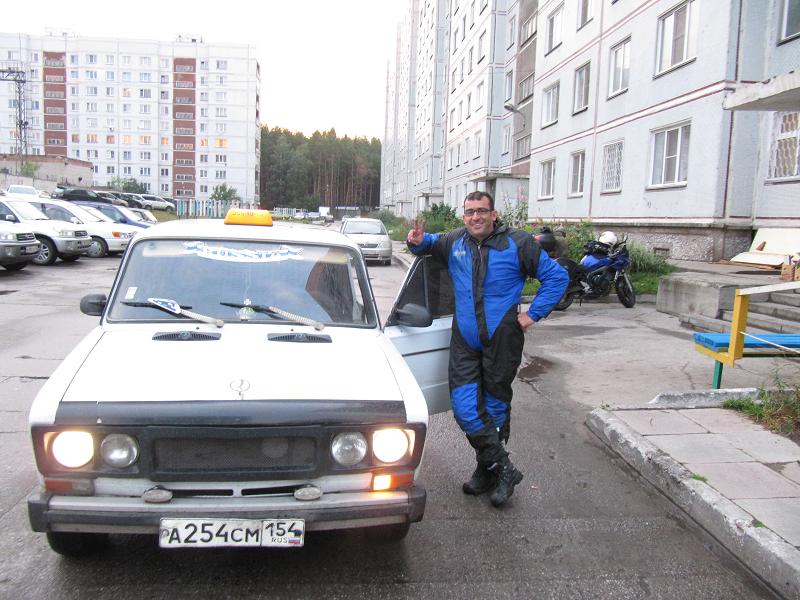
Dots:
(697, 477)
(777, 410)
(757, 523)
(163, 215)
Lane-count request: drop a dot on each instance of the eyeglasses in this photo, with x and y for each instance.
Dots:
(477, 211)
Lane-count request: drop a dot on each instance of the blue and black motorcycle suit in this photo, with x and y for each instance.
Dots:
(486, 343)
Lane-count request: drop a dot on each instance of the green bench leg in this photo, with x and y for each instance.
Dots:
(717, 375)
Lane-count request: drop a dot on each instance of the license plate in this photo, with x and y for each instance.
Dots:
(216, 533)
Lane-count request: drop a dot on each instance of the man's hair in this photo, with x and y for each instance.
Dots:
(479, 195)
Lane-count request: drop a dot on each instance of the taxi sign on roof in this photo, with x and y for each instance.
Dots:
(243, 216)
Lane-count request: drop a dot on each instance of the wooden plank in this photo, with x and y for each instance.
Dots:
(763, 289)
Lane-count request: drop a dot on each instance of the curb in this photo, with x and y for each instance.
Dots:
(763, 551)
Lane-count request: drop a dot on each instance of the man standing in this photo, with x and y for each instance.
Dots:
(489, 264)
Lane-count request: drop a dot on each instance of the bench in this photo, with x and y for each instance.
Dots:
(727, 348)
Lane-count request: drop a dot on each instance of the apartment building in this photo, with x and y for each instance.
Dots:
(180, 117)
(630, 129)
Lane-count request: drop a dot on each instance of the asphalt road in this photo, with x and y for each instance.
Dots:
(581, 524)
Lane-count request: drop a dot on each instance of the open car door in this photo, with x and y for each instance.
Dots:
(419, 326)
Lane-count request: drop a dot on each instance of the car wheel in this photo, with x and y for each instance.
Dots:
(15, 266)
(169, 209)
(70, 257)
(98, 249)
(47, 252)
(76, 544)
(388, 534)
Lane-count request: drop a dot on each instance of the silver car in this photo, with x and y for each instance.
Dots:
(371, 237)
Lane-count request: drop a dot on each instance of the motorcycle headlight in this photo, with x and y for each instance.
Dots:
(390, 445)
(349, 449)
(73, 449)
(119, 450)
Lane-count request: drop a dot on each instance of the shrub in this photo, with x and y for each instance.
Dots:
(644, 261)
(440, 217)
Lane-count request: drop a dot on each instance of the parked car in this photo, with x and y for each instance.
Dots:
(82, 195)
(26, 191)
(133, 201)
(57, 239)
(219, 447)
(113, 198)
(107, 236)
(371, 236)
(118, 214)
(156, 202)
(18, 245)
(144, 214)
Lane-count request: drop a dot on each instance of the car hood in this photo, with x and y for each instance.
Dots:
(366, 238)
(353, 366)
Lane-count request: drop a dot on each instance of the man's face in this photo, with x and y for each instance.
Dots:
(479, 218)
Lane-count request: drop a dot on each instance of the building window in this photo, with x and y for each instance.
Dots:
(479, 96)
(512, 31)
(612, 167)
(219, 174)
(506, 139)
(478, 137)
(522, 147)
(584, 12)
(553, 39)
(547, 172)
(785, 150)
(790, 25)
(222, 65)
(676, 36)
(620, 68)
(452, 118)
(581, 98)
(550, 105)
(577, 163)
(509, 85)
(670, 155)
(527, 30)
(482, 46)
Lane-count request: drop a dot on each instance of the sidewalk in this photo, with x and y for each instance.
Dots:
(738, 481)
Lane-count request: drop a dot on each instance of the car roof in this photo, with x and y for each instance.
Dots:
(217, 229)
(364, 219)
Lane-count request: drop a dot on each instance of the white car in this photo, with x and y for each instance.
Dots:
(107, 236)
(371, 236)
(57, 239)
(18, 246)
(228, 441)
(151, 202)
(23, 191)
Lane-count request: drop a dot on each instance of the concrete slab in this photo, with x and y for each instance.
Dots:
(745, 480)
(765, 446)
(695, 447)
(652, 422)
(789, 470)
(721, 420)
(781, 515)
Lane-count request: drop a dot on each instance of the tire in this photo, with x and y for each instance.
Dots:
(15, 266)
(565, 302)
(169, 209)
(47, 253)
(98, 249)
(625, 291)
(76, 544)
(70, 257)
(388, 534)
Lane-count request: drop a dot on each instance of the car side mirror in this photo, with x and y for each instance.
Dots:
(93, 304)
(11, 218)
(413, 315)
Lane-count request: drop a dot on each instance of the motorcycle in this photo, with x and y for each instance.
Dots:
(605, 262)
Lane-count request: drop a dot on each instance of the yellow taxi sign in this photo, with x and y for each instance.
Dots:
(244, 216)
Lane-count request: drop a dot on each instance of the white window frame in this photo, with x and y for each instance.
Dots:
(680, 43)
(506, 140)
(788, 35)
(577, 173)
(580, 97)
(554, 29)
(584, 12)
(550, 104)
(608, 179)
(660, 160)
(620, 52)
(786, 140)
(509, 84)
(547, 178)
(512, 32)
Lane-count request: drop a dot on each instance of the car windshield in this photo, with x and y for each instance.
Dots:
(242, 281)
(369, 227)
(96, 213)
(83, 214)
(26, 210)
(22, 189)
(128, 213)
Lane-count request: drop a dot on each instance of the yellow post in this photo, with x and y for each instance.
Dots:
(738, 325)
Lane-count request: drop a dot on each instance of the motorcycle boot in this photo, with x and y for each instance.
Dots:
(508, 476)
(482, 481)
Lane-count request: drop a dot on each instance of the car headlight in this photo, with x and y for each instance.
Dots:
(349, 449)
(73, 449)
(8, 237)
(119, 450)
(390, 445)
(387, 243)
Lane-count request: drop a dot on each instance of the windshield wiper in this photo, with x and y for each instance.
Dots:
(277, 312)
(176, 309)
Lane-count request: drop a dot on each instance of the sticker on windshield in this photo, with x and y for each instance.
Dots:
(130, 294)
(243, 255)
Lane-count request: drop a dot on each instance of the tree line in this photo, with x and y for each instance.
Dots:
(323, 170)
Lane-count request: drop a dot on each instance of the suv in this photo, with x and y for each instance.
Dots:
(77, 194)
(58, 239)
(18, 245)
(111, 197)
(156, 202)
(221, 446)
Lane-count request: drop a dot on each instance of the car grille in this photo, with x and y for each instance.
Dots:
(368, 245)
(25, 237)
(81, 233)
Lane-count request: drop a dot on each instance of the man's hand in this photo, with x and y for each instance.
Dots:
(524, 321)
(415, 236)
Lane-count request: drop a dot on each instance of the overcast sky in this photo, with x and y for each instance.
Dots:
(323, 62)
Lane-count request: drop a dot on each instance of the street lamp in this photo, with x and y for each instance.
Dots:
(511, 108)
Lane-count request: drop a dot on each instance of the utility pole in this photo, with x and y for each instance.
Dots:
(18, 77)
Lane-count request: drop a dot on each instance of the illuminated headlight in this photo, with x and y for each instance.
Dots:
(390, 445)
(73, 449)
(349, 449)
(119, 450)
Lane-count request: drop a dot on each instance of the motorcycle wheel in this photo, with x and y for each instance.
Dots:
(565, 302)
(625, 291)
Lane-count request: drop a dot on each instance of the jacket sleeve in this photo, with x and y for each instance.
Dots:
(554, 280)
(426, 247)
(436, 244)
